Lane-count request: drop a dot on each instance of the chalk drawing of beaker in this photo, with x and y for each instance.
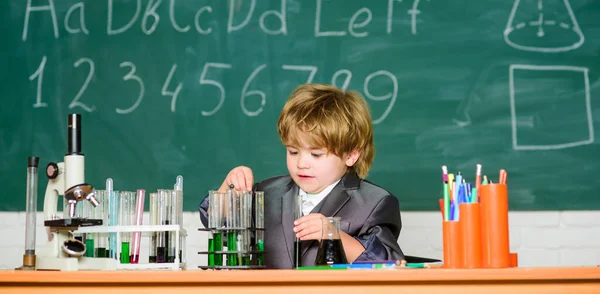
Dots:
(543, 26)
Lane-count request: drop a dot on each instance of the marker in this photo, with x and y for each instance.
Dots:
(485, 180)
(444, 174)
(446, 203)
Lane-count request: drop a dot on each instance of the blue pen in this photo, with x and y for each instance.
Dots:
(455, 213)
(468, 189)
(458, 184)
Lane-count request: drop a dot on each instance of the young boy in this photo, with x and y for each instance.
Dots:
(328, 135)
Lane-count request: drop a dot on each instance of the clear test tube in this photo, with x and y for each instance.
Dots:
(126, 213)
(137, 221)
(215, 221)
(246, 224)
(259, 218)
(88, 212)
(153, 221)
(233, 213)
(31, 211)
(162, 240)
(176, 205)
(101, 212)
(297, 214)
(179, 194)
(113, 220)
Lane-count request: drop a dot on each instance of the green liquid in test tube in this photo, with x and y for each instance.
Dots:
(211, 248)
(124, 252)
(89, 245)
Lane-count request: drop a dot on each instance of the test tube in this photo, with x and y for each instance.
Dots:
(232, 225)
(175, 204)
(245, 224)
(88, 212)
(215, 221)
(179, 191)
(297, 214)
(31, 211)
(162, 241)
(113, 217)
(154, 222)
(101, 212)
(138, 220)
(259, 210)
(126, 215)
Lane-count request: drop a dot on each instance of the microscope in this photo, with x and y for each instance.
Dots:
(62, 251)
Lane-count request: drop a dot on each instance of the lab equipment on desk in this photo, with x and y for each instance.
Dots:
(164, 231)
(296, 262)
(331, 250)
(67, 178)
(236, 230)
(30, 213)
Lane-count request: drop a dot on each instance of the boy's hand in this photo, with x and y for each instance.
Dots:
(241, 177)
(309, 227)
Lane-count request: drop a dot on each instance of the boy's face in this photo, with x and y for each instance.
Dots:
(313, 169)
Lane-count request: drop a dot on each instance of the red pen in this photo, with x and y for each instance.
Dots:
(503, 175)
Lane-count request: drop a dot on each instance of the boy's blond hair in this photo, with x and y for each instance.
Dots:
(333, 119)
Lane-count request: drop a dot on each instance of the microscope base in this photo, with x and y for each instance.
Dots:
(75, 264)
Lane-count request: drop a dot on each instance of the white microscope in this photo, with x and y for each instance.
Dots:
(62, 251)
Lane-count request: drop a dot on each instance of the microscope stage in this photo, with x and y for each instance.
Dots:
(73, 222)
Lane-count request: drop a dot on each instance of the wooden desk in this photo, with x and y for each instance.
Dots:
(511, 280)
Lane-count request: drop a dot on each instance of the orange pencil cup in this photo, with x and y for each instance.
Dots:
(471, 230)
(494, 226)
(453, 244)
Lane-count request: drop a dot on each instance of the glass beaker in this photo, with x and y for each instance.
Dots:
(331, 250)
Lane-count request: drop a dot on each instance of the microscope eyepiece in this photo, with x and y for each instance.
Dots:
(74, 134)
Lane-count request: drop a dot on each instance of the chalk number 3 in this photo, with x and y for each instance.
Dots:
(131, 76)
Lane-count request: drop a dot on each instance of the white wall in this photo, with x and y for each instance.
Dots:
(540, 238)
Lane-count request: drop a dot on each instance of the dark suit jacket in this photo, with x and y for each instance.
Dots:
(368, 213)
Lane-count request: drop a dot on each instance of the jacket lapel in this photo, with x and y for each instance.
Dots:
(287, 218)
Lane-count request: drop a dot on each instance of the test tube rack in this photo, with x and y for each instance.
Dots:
(225, 254)
(146, 232)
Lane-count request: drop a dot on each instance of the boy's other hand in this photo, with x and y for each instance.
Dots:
(309, 227)
(241, 177)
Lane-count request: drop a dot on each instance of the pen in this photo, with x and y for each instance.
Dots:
(502, 179)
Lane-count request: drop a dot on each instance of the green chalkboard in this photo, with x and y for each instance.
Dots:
(194, 88)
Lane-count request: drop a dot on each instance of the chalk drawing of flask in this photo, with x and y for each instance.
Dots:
(543, 26)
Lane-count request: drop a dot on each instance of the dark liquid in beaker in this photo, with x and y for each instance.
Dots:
(331, 252)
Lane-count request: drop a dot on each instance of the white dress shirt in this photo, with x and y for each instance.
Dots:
(309, 201)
